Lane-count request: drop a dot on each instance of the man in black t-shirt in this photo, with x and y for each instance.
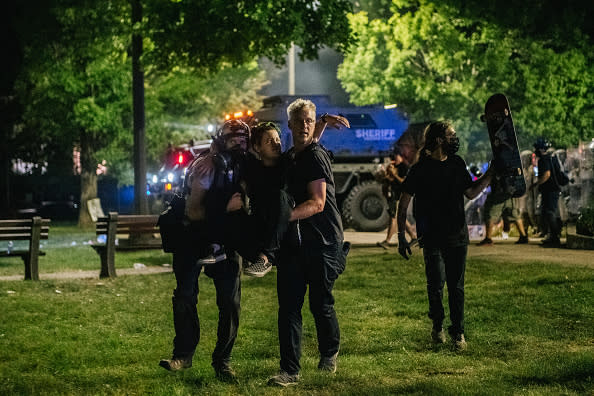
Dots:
(549, 192)
(311, 252)
(439, 181)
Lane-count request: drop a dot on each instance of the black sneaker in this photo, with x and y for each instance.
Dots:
(438, 336)
(485, 242)
(522, 240)
(328, 363)
(258, 268)
(218, 254)
(550, 243)
(225, 374)
(283, 379)
(459, 342)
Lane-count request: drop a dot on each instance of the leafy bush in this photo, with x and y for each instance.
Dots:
(585, 221)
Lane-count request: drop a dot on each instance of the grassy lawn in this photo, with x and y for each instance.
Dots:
(529, 327)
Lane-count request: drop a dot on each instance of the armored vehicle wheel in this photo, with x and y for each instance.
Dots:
(364, 209)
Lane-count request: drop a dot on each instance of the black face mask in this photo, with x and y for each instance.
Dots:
(452, 145)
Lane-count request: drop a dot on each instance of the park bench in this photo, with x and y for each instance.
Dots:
(141, 231)
(32, 230)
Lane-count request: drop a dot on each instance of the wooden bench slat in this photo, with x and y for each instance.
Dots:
(20, 236)
(21, 222)
(18, 253)
(127, 231)
(21, 230)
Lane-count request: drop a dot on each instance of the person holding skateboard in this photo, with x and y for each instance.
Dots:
(498, 206)
(439, 181)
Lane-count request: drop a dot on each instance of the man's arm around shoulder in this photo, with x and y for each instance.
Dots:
(315, 204)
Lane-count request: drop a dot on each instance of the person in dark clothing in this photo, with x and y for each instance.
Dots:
(438, 182)
(311, 253)
(500, 205)
(269, 204)
(210, 189)
(549, 193)
(267, 216)
(392, 179)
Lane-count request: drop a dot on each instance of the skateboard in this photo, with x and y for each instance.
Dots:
(506, 156)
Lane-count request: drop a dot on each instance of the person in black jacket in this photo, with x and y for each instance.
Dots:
(438, 182)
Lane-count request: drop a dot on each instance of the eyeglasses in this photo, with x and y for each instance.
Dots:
(308, 121)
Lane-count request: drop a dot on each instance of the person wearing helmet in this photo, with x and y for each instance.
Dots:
(549, 192)
(439, 181)
(209, 190)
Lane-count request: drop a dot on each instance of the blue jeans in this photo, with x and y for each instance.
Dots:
(226, 279)
(446, 265)
(297, 269)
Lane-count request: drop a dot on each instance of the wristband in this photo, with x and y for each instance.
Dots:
(323, 118)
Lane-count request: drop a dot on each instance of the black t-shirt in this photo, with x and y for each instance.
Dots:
(313, 163)
(395, 185)
(263, 183)
(438, 189)
(544, 164)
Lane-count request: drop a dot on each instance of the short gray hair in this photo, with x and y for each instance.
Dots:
(298, 105)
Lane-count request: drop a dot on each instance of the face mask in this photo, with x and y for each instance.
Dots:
(452, 145)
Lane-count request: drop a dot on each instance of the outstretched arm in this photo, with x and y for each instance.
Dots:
(334, 121)
(479, 184)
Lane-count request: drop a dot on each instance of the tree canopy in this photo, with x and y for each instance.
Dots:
(440, 60)
(70, 68)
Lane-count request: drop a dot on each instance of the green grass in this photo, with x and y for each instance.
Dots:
(529, 327)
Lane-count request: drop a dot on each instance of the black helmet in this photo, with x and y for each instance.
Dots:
(541, 144)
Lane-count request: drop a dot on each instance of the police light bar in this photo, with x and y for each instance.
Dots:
(239, 114)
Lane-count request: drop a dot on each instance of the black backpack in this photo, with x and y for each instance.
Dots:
(558, 172)
(171, 224)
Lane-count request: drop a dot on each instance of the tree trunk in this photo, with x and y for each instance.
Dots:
(88, 180)
(140, 199)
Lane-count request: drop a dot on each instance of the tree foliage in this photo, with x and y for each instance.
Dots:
(437, 61)
(70, 68)
(186, 97)
(204, 34)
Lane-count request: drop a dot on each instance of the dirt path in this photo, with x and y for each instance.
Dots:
(92, 274)
(501, 250)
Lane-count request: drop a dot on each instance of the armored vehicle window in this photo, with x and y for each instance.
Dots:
(360, 121)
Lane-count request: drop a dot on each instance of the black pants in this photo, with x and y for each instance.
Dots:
(185, 297)
(261, 232)
(550, 213)
(446, 265)
(297, 269)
